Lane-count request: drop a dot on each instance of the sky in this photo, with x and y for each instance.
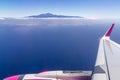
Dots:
(101, 9)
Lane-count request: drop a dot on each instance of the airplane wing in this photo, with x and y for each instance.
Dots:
(107, 65)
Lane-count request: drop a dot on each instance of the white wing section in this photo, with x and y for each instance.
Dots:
(112, 50)
(107, 66)
(100, 70)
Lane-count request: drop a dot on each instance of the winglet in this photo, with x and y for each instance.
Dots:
(108, 33)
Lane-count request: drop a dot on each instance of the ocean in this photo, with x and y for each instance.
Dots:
(32, 49)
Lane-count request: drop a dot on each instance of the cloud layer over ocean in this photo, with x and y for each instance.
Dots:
(49, 22)
(52, 22)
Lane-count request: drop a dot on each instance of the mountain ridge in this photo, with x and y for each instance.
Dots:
(50, 15)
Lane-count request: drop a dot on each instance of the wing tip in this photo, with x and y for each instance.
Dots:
(108, 33)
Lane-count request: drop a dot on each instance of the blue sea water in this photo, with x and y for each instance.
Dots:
(32, 49)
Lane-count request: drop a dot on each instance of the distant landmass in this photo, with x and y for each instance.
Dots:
(50, 15)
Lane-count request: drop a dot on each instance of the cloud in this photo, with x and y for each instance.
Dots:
(51, 22)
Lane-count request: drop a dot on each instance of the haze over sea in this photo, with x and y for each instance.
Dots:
(32, 49)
